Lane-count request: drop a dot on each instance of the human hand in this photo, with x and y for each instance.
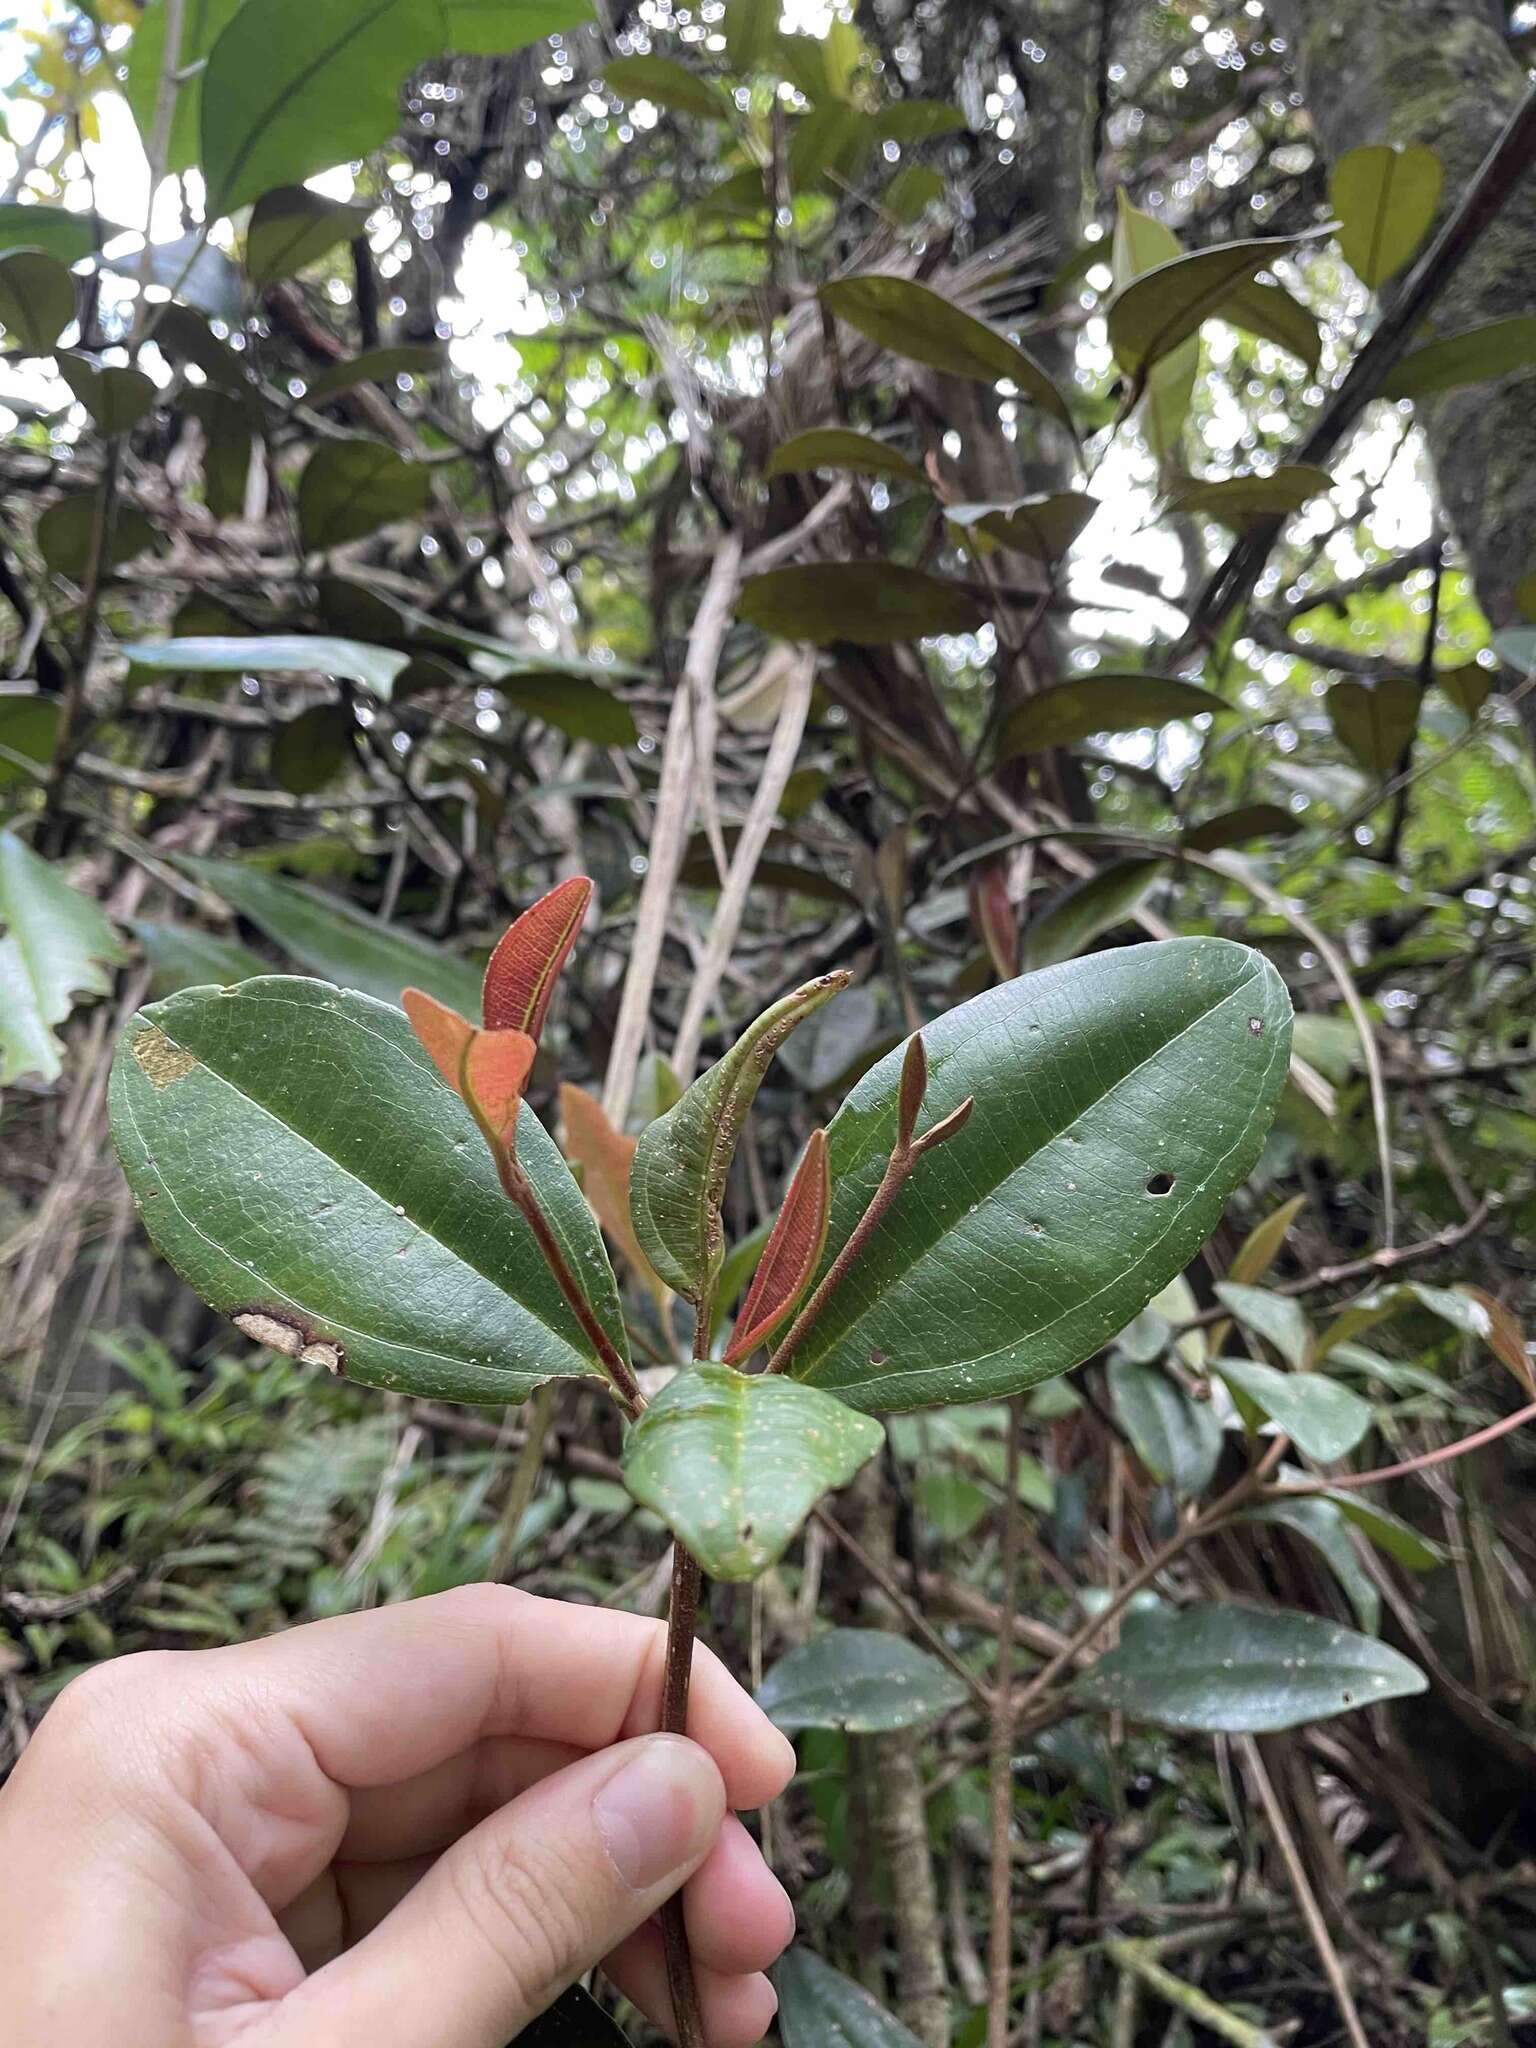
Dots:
(409, 1828)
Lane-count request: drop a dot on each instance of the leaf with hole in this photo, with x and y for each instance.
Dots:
(1119, 1100)
(1165, 306)
(273, 654)
(1235, 1670)
(332, 938)
(841, 448)
(924, 327)
(55, 947)
(734, 1462)
(1122, 701)
(1320, 1417)
(37, 300)
(1375, 721)
(350, 489)
(861, 1680)
(679, 1175)
(1385, 195)
(869, 604)
(295, 1157)
(292, 227)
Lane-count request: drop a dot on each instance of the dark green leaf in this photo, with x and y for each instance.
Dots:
(202, 22)
(734, 1462)
(831, 144)
(573, 704)
(116, 398)
(376, 366)
(1375, 721)
(1389, 1532)
(37, 299)
(1071, 923)
(274, 654)
(1141, 243)
(1320, 1417)
(1322, 1525)
(841, 448)
(55, 945)
(1475, 357)
(912, 191)
(295, 1156)
(918, 120)
(183, 956)
(867, 603)
(1233, 828)
(575, 2020)
(1243, 1671)
(861, 1680)
(352, 488)
(1119, 702)
(1237, 499)
(751, 33)
(1038, 1230)
(1385, 196)
(1165, 306)
(1177, 1438)
(1269, 311)
(292, 87)
(912, 321)
(66, 535)
(292, 227)
(56, 230)
(668, 84)
(29, 726)
(678, 1178)
(1044, 527)
(821, 2008)
(331, 938)
(1467, 685)
(310, 750)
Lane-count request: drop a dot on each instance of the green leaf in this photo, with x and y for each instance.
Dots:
(918, 120)
(65, 535)
(678, 1178)
(1320, 1417)
(274, 654)
(1140, 244)
(1117, 702)
(488, 28)
(734, 1462)
(309, 750)
(1385, 196)
(375, 366)
(1389, 1532)
(1178, 1439)
(668, 84)
(1274, 1317)
(1269, 311)
(914, 322)
(841, 448)
(575, 2020)
(821, 2008)
(1375, 721)
(55, 945)
(351, 488)
(861, 1680)
(1041, 1228)
(182, 956)
(869, 604)
(331, 938)
(950, 1505)
(294, 86)
(292, 227)
(572, 704)
(1476, 357)
(1323, 1526)
(1074, 919)
(1164, 306)
(116, 398)
(202, 22)
(29, 726)
(1235, 1670)
(751, 33)
(1043, 526)
(57, 231)
(1237, 499)
(1233, 828)
(37, 299)
(832, 143)
(296, 1158)
(911, 192)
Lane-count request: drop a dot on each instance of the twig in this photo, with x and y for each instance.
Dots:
(682, 1623)
(1139, 1963)
(907, 1608)
(1000, 1770)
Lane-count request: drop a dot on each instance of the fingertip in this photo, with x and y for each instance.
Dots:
(752, 2005)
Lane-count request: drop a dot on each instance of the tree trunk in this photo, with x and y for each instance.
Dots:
(1439, 73)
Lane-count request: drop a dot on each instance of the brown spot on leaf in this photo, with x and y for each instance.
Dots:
(163, 1061)
(291, 1337)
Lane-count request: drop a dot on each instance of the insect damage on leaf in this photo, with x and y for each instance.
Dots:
(163, 1061)
(281, 1333)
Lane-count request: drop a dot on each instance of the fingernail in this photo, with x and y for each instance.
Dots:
(660, 1811)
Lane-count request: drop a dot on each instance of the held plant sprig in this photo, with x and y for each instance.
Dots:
(293, 1153)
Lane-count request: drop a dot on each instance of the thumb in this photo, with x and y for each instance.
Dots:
(517, 1909)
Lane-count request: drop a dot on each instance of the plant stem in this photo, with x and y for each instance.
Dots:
(1000, 1767)
(682, 1622)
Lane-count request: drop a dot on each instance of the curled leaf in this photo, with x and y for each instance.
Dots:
(791, 1254)
(521, 976)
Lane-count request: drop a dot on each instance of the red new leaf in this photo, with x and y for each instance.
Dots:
(495, 1073)
(791, 1254)
(443, 1032)
(521, 977)
(996, 922)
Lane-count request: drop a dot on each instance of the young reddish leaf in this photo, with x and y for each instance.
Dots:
(443, 1032)
(521, 976)
(495, 1072)
(605, 1156)
(914, 1086)
(993, 915)
(791, 1254)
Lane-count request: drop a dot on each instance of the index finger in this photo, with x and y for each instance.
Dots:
(387, 1694)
